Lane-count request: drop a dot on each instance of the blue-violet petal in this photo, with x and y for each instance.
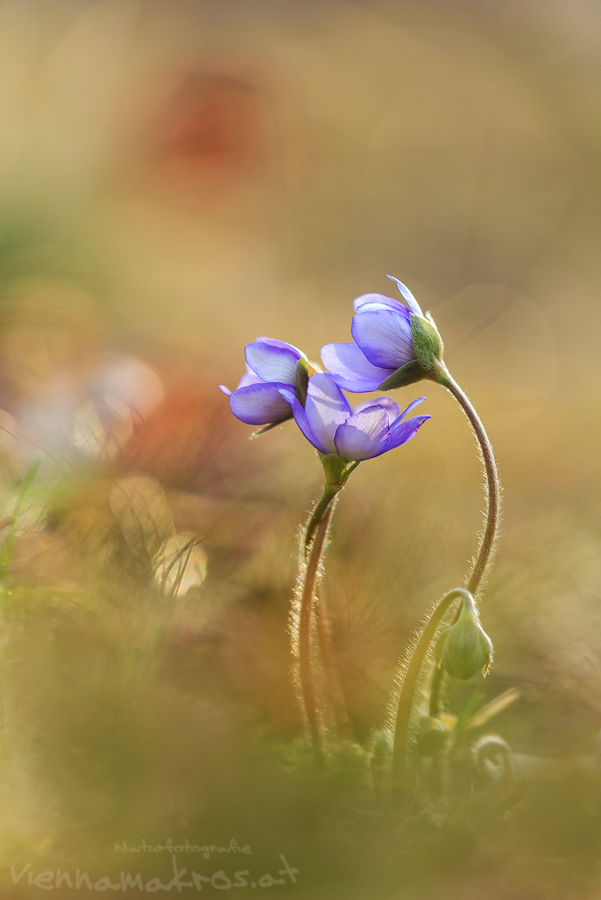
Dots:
(301, 419)
(351, 369)
(326, 408)
(260, 404)
(364, 435)
(273, 363)
(385, 338)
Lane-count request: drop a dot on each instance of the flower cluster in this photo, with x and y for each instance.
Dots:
(393, 345)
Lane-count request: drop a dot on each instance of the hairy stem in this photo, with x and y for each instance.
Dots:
(489, 536)
(493, 487)
(329, 492)
(319, 614)
(479, 569)
(313, 562)
(435, 702)
(407, 692)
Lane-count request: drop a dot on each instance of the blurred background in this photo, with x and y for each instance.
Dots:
(177, 178)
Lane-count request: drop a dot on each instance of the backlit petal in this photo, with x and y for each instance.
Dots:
(363, 435)
(411, 406)
(407, 296)
(351, 369)
(273, 361)
(301, 419)
(260, 404)
(385, 337)
(389, 406)
(402, 432)
(326, 408)
(376, 301)
(284, 345)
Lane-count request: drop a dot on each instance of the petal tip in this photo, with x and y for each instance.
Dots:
(407, 296)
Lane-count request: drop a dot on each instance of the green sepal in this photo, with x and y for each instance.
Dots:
(427, 341)
(407, 374)
(336, 469)
(304, 371)
(267, 428)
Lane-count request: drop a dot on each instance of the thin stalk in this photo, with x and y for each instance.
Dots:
(435, 702)
(313, 562)
(489, 536)
(330, 664)
(322, 620)
(408, 688)
(329, 492)
(479, 569)
(493, 487)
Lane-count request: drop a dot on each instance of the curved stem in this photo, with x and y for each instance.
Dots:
(408, 687)
(493, 487)
(485, 552)
(489, 537)
(313, 562)
(435, 703)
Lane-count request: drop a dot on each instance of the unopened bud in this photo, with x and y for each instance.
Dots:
(464, 648)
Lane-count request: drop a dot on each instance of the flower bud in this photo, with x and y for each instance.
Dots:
(464, 648)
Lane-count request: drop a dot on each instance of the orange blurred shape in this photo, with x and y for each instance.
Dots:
(189, 442)
(212, 123)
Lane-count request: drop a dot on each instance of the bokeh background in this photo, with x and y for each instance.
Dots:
(177, 178)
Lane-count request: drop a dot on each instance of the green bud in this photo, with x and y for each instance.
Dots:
(464, 648)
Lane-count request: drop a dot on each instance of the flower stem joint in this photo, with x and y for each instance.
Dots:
(464, 648)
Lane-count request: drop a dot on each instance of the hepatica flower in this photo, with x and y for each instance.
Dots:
(271, 367)
(335, 429)
(394, 344)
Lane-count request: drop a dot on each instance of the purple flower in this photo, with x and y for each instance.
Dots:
(271, 366)
(394, 345)
(368, 430)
